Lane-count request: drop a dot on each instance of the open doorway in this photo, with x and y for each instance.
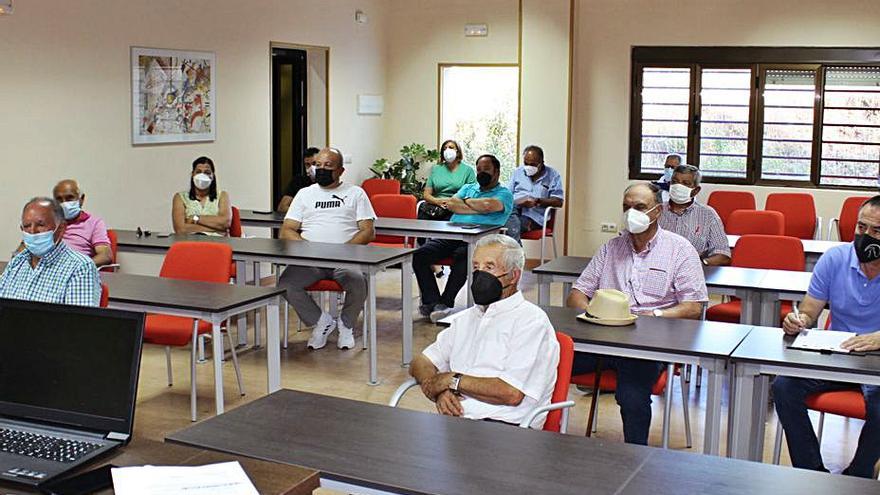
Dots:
(299, 109)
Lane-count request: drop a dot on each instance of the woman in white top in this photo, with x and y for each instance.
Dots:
(201, 210)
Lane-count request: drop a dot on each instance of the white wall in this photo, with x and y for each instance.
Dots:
(606, 30)
(65, 97)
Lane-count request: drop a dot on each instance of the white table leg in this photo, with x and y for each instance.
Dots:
(258, 317)
(543, 290)
(470, 272)
(715, 378)
(566, 288)
(241, 325)
(217, 347)
(273, 350)
(371, 305)
(667, 407)
(406, 297)
(749, 313)
(745, 383)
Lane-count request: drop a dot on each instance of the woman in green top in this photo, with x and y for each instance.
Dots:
(201, 210)
(445, 180)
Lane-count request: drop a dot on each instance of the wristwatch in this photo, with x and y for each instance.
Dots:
(456, 378)
(658, 312)
(195, 219)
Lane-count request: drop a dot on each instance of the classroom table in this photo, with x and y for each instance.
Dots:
(268, 477)
(403, 227)
(211, 302)
(358, 447)
(813, 249)
(765, 352)
(696, 342)
(369, 260)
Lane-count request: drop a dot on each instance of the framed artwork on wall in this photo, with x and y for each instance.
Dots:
(173, 99)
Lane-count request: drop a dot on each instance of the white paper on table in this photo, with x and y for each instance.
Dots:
(225, 478)
(821, 340)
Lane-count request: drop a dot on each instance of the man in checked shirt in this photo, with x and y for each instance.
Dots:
(663, 276)
(696, 222)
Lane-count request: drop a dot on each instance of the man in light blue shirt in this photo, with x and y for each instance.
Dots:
(486, 203)
(535, 187)
(846, 278)
(46, 270)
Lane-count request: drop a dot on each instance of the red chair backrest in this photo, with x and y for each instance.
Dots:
(726, 202)
(849, 216)
(381, 186)
(563, 380)
(235, 223)
(393, 206)
(770, 252)
(799, 211)
(114, 243)
(105, 296)
(202, 261)
(743, 222)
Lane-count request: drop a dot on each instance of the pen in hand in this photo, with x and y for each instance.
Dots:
(797, 315)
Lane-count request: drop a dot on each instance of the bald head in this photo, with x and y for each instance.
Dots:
(644, 193)
(328, 167)
(331, 155)
(67, 190)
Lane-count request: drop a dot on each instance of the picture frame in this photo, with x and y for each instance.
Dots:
(173, 96)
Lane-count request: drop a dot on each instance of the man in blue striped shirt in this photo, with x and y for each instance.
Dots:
(46, 270)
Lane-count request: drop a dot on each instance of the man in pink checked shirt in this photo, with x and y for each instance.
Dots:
(663, 276)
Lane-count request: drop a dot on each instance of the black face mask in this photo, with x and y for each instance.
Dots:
(486, 288)
(867, 248)
(323, 176)
(484, 178)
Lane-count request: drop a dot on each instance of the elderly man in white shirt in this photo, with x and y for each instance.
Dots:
(498, 360)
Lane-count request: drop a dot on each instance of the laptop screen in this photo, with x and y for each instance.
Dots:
(69, 365)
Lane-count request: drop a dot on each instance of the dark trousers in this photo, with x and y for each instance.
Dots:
(803, 446)
(635, 379)
(433, 251)
(517, 224)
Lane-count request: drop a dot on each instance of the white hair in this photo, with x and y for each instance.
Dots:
(513, 255)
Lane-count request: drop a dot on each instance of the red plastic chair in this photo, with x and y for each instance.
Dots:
(201, 261)
(381, 186)
(557, 410)
(114, 249)
(105, 296)
(545, 232)
(769, 252)
(800, 213)
(608, 383)
(235, 223)
(726, 202)
(394, 206)
(849, 216)
(743, 222)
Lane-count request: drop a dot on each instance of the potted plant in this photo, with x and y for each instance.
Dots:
(406, 169)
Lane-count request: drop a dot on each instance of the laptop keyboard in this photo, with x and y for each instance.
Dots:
(44, 446)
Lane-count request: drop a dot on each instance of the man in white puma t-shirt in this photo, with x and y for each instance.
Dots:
(334, 212)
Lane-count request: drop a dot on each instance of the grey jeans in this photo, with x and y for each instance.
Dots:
(295, 279)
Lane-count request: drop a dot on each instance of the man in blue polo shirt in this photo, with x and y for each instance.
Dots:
(847, 278)
(484, 203)
(535, 187)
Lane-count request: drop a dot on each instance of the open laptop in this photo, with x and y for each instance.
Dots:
(68, 382)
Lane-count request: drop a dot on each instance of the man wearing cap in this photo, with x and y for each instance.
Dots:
(662, 275)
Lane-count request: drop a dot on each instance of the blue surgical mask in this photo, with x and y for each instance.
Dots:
(72, 209)
(39, 244)
(667, 174)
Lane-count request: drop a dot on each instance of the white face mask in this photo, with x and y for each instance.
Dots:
(637, 221)
(311, 171)
(449, 155)
(530, 170)
(680, 194)
(202, 181)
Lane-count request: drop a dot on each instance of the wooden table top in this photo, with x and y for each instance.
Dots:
(414, 452)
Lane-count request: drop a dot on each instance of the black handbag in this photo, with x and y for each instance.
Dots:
(427, 211)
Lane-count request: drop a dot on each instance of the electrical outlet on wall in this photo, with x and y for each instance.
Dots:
(609, 227)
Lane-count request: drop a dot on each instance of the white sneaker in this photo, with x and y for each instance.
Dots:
(346, 336)
(325, 326)
(440, 312)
